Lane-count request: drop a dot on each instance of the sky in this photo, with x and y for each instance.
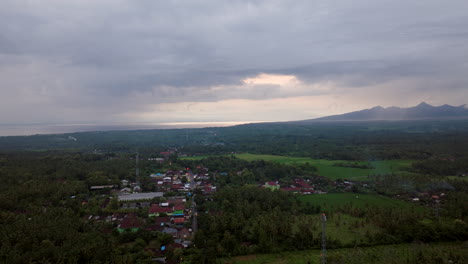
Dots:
(146, 61)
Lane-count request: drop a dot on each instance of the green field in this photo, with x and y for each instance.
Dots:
(403, 253)
(346, 228)
(359, 200)
(326, 168)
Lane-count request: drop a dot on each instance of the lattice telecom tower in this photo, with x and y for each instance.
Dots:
(324, 239)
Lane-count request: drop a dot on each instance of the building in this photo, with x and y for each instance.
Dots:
(140, 196)
(272, 185)
(156, 210)
(131, 223)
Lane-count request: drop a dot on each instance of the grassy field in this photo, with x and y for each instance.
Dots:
(326, 168)
(336, 200)
(457, 178)
(403, 253)
(346, 228)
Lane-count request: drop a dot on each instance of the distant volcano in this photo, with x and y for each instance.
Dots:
(421, 111)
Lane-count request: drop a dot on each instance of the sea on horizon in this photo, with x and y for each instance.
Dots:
(40, 129)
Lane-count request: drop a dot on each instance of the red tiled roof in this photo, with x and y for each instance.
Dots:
(156, 209)
(179, 220)
(179, 207)
(177, 186)
(130, 222)
(177, 201)
(155, 228)
(183, 232)
(304, 184)
(272, 183)
(290, 189)
(160, 220)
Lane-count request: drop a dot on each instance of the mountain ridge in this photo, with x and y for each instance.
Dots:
(422, 111)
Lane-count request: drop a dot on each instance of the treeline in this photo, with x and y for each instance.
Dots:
(249, 220)
(339, 141)
(442, 167)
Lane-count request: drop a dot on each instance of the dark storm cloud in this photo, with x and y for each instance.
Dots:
(75, 58)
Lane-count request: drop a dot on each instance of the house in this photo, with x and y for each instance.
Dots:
(167, 179)
(118, 216)
(291, 189)
(178, 220)
(170, 231)
(126, 190)
(156, 210)
(102, 187)
(178, 201)
(177, 187)
(183, 233)
(272, 185)
(301, 183)
(124, 182)
(158, 175)
(144, 204)
(208, 189)
(140, 196)
(179, 207)
(130, 223)
(187, 243)
(178, 213)
(158, 160)
(155, 227)
(162, 221)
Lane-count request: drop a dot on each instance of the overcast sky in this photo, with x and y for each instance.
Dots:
(125, 61)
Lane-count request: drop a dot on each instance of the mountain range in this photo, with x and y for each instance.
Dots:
(422, 111)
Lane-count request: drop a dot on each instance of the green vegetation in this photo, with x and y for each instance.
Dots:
(49, 215)
(397, 140)
(250, 220)
(392, 254)
(326, 167)
(332, 201)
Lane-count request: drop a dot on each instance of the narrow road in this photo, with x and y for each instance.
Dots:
(194, 205)
(195, 215)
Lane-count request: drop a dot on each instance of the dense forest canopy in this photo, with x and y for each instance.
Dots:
(329, 140)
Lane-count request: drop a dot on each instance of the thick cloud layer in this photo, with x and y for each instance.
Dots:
(179, 61)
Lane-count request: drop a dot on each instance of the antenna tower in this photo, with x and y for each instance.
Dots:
(324, 239)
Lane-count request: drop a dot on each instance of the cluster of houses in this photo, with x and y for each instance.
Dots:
(172, 181)
(183, 181)
(170, 217)
(298, 186)
(428, 197)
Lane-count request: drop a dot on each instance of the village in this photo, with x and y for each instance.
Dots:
(168, 214)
